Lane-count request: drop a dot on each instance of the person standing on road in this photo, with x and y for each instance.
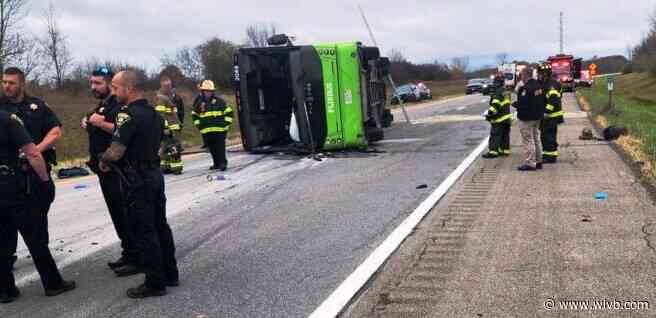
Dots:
(553, 116)
(135, 146)
(169, 105)
(530, 109)
(213, 117)
(500, 120)
(44, 128)
(17, 189)
(100, 126)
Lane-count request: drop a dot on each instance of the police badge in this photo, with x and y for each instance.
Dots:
(34, 107)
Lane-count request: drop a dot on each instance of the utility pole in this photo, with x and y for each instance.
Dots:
(562, 31)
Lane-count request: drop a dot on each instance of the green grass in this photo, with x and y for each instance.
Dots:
(635, 102)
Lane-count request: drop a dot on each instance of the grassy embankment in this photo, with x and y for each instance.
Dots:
(635, 108)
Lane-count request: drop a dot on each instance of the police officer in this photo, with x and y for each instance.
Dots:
(213, 117)
(135, 146)
(41, 123)
(17, 188)
(100, 125)
(553, 116)
(168, 104)
(500, 120)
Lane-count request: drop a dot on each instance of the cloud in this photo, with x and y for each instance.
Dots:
(142, 31)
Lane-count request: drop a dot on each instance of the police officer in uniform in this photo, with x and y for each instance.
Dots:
(553, 116)
(135, 146)
(100, 126)
(500, 120)
(41, 123)
(213, 117)
(17, 188)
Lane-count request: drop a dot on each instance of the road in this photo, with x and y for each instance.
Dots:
(273, 240)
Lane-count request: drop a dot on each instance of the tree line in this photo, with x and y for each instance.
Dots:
(643, 55)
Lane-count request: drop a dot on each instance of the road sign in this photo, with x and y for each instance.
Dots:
(593, 69)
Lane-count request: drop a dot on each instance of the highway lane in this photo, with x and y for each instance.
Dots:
(273, 240)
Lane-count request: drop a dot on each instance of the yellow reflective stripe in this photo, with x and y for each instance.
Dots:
(163, 109)
(553, 92)
(502, 118)
(196, 122)
(178, 164)
(551, 153)
(495, 101)
(211, 114)
(557, 114)
(506, 102)
(493, 152)
(492, 109)
(228, 110)
(193, 113)
(174, 127)
(506, 151)
(228, 119)
(550, 107)
(214, 129)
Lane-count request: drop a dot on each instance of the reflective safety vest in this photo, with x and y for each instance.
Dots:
(499, 111)
(169, 112)
(554, 107)
(212, 115)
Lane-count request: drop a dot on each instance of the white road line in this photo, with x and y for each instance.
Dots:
(336, 302)
(461, 108)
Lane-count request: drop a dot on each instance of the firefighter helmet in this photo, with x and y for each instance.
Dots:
(207, 85)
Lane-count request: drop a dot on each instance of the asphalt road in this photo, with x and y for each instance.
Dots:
(273, 240)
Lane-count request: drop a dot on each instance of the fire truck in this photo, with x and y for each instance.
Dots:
(565, 68)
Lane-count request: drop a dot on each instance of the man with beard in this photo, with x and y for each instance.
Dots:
(100, 126)
(135, 146)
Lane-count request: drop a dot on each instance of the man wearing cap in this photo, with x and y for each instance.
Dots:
(213, 117)
(99, 124)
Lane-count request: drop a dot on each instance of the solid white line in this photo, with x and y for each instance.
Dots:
(336, 302)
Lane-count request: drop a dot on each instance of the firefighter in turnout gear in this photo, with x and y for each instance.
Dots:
(500, 120)
(171, 151)
(553, 114)
(213, 117)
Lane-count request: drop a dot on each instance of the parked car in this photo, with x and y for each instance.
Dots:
(477, 85)
(424, 91)
(406, 93)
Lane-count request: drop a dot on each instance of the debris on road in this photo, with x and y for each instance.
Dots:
(422, 186)
(80, 186)
(601, 196)
(211, 178)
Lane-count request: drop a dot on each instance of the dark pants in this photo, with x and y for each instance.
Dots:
(549, 137)
(499, 138)
(216, 142)
(147, 216)
(110, 183)
(32, 223)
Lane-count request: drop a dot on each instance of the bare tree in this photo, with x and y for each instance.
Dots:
(55, 46)
(258, 34)
(502, 58)
(11, 43)
(396, 56)
(460, 63)
(30, 59)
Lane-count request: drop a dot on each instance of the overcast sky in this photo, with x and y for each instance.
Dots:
(141, 31)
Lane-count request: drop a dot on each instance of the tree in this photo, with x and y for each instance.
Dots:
(502, 58)
(258, 34)
(217, 58)
(55, 46)
(30, 59)
(188, 60)
(459, 66)
(11, 43)
(395, 56)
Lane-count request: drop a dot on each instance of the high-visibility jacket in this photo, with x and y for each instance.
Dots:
(554, 107)
(212, 115)
(165, 106)
(499, 111)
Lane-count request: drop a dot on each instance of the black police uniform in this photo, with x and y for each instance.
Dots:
(15, 214)
(140, 128)
(38, 119)
(110, 182)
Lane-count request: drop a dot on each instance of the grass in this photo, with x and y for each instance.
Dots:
(635, 108)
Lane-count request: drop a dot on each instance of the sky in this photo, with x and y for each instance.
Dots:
(142, 31)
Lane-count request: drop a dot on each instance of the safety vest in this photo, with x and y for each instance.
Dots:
(169, 112)
(499, 111)
(554, 107)
(212, 115)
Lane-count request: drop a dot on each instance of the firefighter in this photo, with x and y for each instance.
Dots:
(213, 117)
(135, 146)
(41, 123)
(21, 183)
(553, 114)
(500, 120)
(100, 126)
(166, 106)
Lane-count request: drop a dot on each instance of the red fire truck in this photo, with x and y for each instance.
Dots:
(565, 69)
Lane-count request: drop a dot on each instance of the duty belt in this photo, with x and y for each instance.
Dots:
(6, 171)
